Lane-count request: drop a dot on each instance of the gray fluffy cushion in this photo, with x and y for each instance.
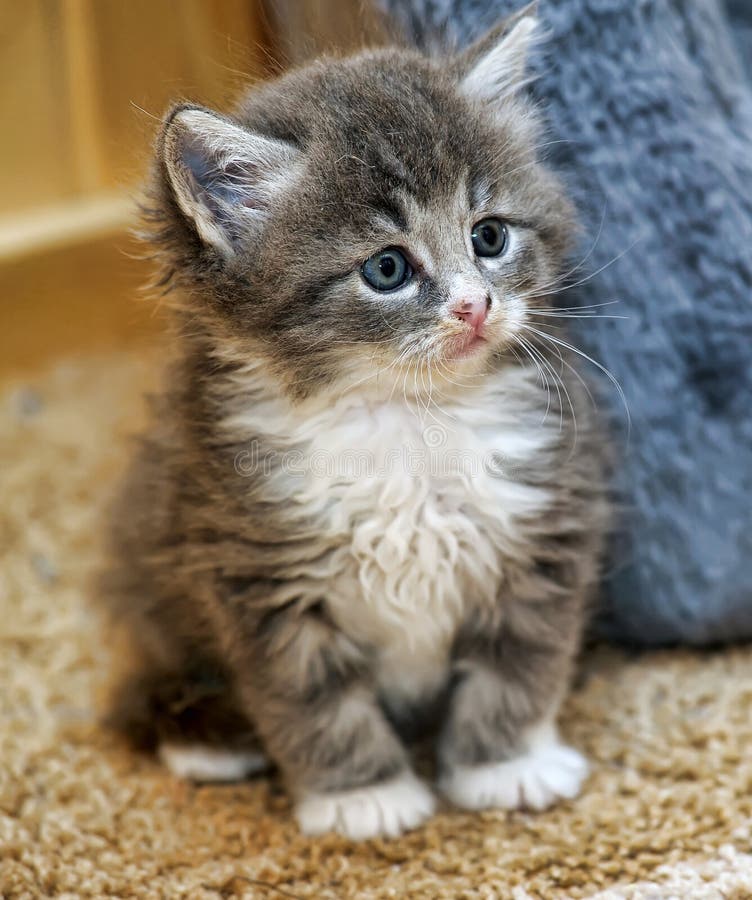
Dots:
(652, 103)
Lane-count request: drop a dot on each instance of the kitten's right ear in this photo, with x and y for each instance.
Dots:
(495, 67)
(223, 178)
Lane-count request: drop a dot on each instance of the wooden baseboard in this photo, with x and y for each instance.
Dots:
(46, 229)
(70, 282)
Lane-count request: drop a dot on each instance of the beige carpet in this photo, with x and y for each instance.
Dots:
(666, 812)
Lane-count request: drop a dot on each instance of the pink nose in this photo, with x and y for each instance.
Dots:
(473, 312)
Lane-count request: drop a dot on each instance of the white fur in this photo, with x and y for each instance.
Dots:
(548, 772)
(271, 162)
(377, 810)
(417, 519)
(201, 763)
(501, 71)
(417, 522)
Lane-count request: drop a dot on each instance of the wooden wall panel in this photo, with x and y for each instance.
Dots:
(83, 84)
(151, 53)
(68, 300)
(305, 28)
(35, 152)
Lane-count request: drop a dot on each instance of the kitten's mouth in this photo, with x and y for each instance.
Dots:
(464, 345)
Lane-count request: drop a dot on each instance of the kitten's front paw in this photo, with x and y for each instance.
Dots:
(534, 781)
(198, 762)
(385, 809)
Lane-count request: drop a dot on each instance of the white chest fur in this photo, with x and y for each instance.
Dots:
(418, 511)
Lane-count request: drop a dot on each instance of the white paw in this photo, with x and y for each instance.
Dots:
(534, 781)
(198, 762)
(380, 809)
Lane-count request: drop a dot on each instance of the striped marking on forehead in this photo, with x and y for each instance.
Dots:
(480, 191)
(439, 221)
(445, 210)
(438, 231)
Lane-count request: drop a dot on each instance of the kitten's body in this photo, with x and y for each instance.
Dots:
(321, 547)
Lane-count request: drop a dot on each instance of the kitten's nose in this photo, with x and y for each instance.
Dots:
(474, 312)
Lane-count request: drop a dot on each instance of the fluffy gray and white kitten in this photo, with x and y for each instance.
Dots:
(361, 513)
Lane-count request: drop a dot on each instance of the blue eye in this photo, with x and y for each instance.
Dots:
(489, 237)
(386, 270)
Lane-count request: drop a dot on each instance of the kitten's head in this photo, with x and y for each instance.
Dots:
(367, 217)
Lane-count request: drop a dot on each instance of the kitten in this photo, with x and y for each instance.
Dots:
(360, 512)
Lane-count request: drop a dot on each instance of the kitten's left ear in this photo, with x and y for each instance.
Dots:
(223, 177)
(495, 67)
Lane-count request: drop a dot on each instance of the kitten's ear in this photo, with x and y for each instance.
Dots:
(496, 66)
(223, 178)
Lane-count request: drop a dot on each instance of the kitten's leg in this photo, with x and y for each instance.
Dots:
(499, 746)
(205, 762)
(192, 719)
(322, 724)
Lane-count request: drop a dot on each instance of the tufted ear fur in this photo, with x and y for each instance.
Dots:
(223, 178)
(495, 67)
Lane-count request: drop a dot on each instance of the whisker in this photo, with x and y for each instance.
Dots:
(560, 280)
(581, 281)
(529, 350)
(572, 369)
(563, 315)
(611, 377)
(575, 308)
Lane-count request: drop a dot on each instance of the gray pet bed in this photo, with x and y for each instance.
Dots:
(651, 101)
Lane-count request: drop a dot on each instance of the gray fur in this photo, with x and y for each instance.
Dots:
(230, 582)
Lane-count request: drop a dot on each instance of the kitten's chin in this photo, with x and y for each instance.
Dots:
(470, 353)
(466, 347)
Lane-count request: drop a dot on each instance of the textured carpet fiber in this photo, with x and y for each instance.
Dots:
(666, 812)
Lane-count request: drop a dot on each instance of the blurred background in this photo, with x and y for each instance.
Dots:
(83, 85)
